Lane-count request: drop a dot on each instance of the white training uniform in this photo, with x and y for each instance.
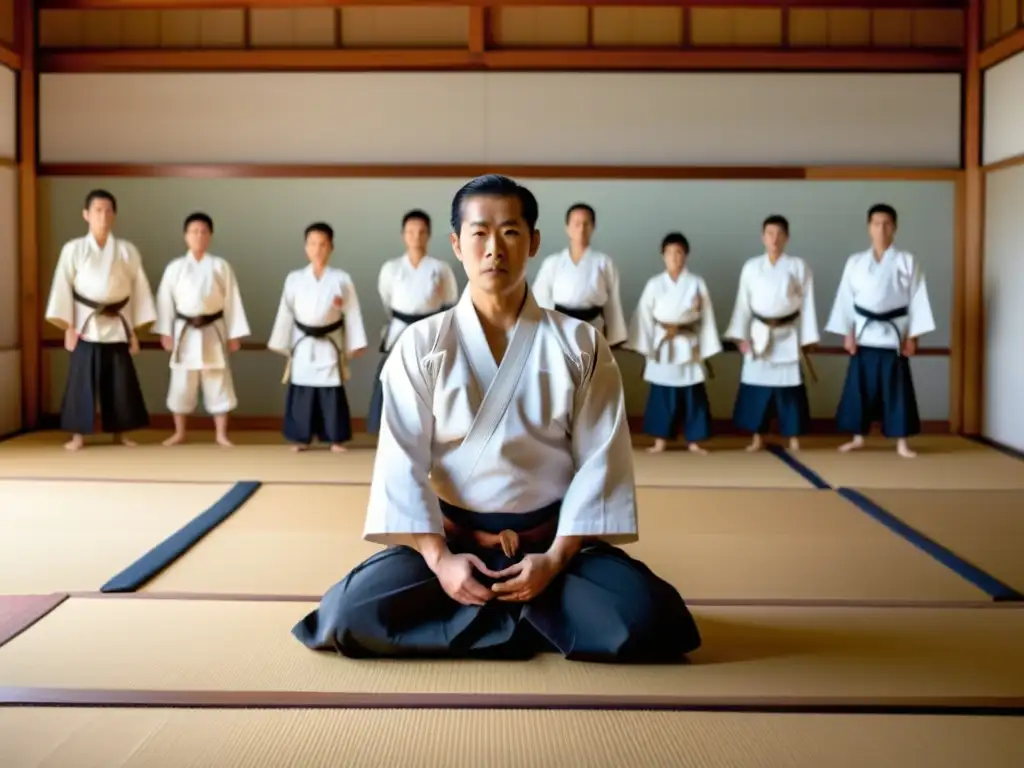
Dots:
(674, 362)
(552, 427)
(593, 282)
(318, 302)
(414, 290)
(105, 275)
(199, 357)
(881, 286)
(773, 291)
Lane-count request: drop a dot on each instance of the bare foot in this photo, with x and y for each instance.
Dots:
(794, 444)
(176, 439)
(904, 450)
(755, 444)
(223, 442)
(300, 448)
(854, 445)
(75, 443)
(124, 440)
(658, 447)
(338, 448)
(694, 448)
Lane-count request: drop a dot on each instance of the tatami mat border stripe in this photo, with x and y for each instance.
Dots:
(32, 609)
(972, 573)
(84, 697)
(164, 554)
(799, 467)
(995, 445)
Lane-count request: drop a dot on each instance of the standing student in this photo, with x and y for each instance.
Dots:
(412, 287)
(319, 328)
(773, 322)
(201, 321)
(503, 480)
(674, 329)
(100, 297)
(881, 309)
(581, 282)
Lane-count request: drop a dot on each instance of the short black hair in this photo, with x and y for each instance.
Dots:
(778, 220)
(675, 238)
(323, 228)
(200, 217)
(100, 194)
(582, 207)
(884, 209)
(415, 214)
(495, 185)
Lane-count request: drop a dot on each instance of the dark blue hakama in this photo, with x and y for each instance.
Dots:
(320, 412)
(756, 406)
(671, 409)
(102, 375)
(878, 388)
(603, 607)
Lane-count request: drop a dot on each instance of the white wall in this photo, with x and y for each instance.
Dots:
(10, 287)
(1003, 111)
(516, 118)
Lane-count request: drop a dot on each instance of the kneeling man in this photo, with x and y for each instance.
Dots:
(503, 480)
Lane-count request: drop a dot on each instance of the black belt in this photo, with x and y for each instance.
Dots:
(196, 321)
(888, 318)
(408, 319)
(586, 314)
(501, 530)
(320, 332)
(108, 309)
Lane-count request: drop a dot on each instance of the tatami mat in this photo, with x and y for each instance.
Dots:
(985, 528)
(748, 653)
(710, 544)
(942, 462)
(264, 456)
(68, 536)
(163, 738)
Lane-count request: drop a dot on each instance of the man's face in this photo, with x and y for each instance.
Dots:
(495, 244)
(580, 228)
(882, 230)
(197, 237)
(416, 235)
(100, 216)
(675, 258)
(318, 248)
(774, 238)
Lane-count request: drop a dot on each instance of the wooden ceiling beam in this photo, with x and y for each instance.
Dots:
(219, 4)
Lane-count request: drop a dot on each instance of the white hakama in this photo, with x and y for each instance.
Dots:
(538, 445)
(409, 294)
(674, 329)
(200, 307)
(587, 291)
(102, 293)
(318, 326)
(775, 314)
(882, 303)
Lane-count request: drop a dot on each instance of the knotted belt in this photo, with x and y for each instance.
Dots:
(319, 332)
(408, 319)
(538, 527)
(586, 314)
(197, 321)
(888, 318)
(106, 309)
(786, 320)
(689, 330)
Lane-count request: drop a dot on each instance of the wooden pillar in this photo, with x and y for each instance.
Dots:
(972, 285)
(31, 324)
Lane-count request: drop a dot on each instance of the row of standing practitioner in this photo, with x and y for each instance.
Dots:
(673, 326)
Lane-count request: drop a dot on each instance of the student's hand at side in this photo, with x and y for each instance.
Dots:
(744, 347)
(234, 345)
(70, 339)
(527, 578)
(850, 344)
(133, 345)
(167, 343)
(909, 347)
(357, 353)
(455, 572)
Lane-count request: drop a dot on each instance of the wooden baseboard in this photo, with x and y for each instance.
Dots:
(721, 427)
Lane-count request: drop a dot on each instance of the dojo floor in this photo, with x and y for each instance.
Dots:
(856, 610)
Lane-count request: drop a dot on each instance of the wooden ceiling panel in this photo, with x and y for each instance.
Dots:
(938, 29)
(892, 28)
(637, 27)
(120, 4)
(541, 27)
(7, 36)
(408, 27)
(293, 27)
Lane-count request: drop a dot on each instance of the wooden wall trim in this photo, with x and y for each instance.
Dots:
(396, 171)
(1002, 49)
(10, 59)
(1008, 162)
(464, 59)
(956, 320)
(972, 284)
(31, 308)
(212, 4)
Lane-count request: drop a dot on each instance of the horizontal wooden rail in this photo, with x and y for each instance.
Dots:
(212, 4)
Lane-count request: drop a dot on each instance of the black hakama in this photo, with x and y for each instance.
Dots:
(103, 376)
(670, 409)
(320, 412)
(603, 607)
(756, 406)
(878, 387)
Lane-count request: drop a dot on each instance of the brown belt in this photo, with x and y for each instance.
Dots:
(789, 320)
(672, 330)
(508, 541)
